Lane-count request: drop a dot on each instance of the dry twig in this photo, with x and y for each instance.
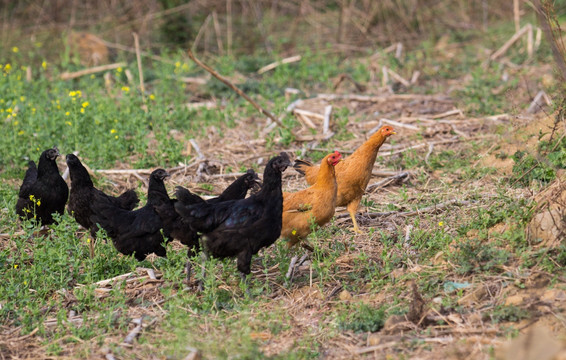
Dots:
(236, 89)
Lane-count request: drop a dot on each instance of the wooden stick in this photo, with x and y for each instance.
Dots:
(427, 209)
(383, 183)
(275, 64)
(309, 114)
(510, 42)
(398, 77)
(385, 78)
(530, 48)
(201, 31)
(189, 79)
(305, 120)
(229, 26)
(415, 77)
(326, 122)
(516, 15)
(129, 339)
(197, 148)
(380, 99)
(236, 89)
(448, 113)
(398, 124)
(138, 58)
(92, 70)
(217, 32)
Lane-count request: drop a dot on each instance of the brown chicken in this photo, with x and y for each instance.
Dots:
(352, 174)
(315, 203)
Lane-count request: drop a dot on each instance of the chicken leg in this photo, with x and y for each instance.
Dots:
(352, 208)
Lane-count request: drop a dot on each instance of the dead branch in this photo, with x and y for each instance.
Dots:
(140, 71)
(403, 176)
(129, 339)
(398, 124)
(275, 64)
(428, 209)
(510, 42)
(236, 89)
(326, 122)
(380, 99)
(92, 70)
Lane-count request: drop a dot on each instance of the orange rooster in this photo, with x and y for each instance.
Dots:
(315, 203)
(352, 174)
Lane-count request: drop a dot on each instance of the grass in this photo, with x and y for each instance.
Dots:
(52, 276)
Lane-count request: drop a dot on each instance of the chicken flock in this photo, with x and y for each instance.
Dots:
(228, 226)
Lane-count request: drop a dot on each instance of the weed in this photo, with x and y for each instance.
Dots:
(361, 318)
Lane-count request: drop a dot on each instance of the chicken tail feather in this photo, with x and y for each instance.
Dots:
(301, 165)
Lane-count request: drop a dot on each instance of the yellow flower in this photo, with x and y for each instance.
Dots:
(116, 137)
(85, 104)
(113, 131)
(38, 44)
(119, 69)
(44, 65)
(92, 76)
(441, 223)
(69, 123)
(16, 123)
(82, 111)
(22, 98)
(88, 240)
(72, 93)
(178, 64)
(16, 266)
(31, 197)
(9, 110)
(15, 49)
(38, 202)
(58, 107)
(185, 67)
(33, 110)
(152, 97)
(7, 67)
(126, 89)
(294, 232)
(67, 113)
(25, 282)
(21, 132)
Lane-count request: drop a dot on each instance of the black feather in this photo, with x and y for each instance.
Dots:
(135, 232)
(240, 228)
(83, 193)
(47, 188)
(181, 229)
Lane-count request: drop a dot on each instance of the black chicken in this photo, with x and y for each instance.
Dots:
(180, 229)
(43, 191)
(240, 228)
(135, 232)
(83, 192)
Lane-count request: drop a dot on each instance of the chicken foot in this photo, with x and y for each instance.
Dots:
(352, 208)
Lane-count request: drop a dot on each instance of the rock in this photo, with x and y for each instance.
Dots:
(537, 343)
(515, 300)
(551, 295)
(345, 295)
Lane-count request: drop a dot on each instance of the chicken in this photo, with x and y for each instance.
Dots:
(178, 228)
(135, 232)
(83, 192)
(316, 203)
(352, 174)
(240, 228)
(43, 191)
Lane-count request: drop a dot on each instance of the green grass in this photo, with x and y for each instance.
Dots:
(47, 277)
